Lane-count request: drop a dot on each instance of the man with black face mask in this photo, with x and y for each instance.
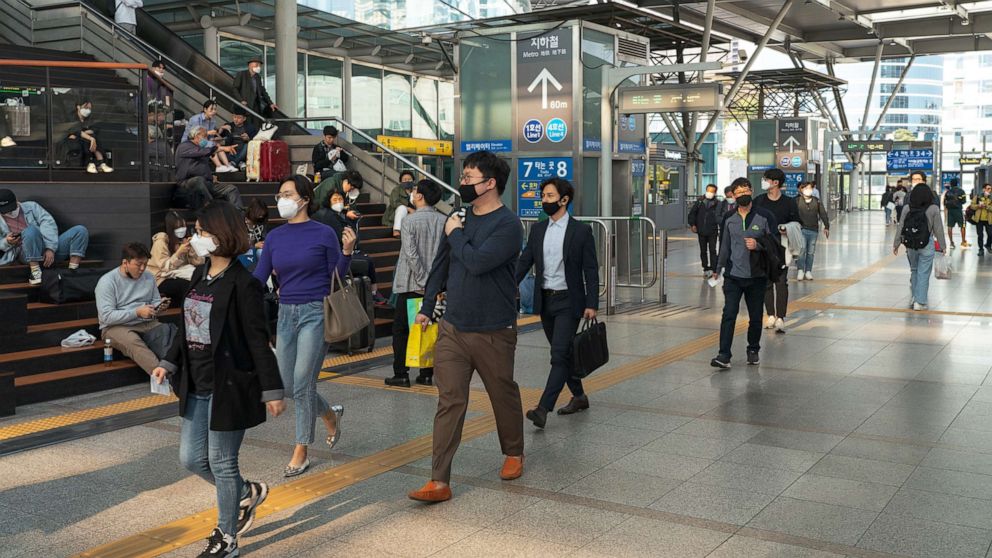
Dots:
(475, 266)
(563, 254)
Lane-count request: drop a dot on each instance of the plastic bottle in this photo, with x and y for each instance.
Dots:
(108, 353)
(316, 177)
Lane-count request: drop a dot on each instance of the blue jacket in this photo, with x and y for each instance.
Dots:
(36, 216)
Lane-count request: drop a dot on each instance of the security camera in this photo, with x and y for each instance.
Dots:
(742, 55)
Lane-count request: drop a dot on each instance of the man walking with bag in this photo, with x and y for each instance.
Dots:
(563, 253)
(475, 266)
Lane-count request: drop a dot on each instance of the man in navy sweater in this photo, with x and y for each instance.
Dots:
(475, 266)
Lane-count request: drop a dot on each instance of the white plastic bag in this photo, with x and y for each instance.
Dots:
(941, 266)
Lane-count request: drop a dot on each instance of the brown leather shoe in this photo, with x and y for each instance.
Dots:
(431, 493)
(575, 405)
(513, 467)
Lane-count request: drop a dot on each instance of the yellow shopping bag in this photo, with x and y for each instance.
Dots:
(420, 346)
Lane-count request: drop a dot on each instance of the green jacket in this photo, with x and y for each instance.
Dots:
(323, 190)
(397, 197)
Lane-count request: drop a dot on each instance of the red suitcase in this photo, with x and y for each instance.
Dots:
(273, 161)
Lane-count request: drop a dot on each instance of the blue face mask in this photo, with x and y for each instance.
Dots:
(203, 143)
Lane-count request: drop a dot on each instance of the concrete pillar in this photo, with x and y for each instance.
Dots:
(211, 44)
(286, 56)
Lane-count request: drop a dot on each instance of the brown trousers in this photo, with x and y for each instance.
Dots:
(456, 356)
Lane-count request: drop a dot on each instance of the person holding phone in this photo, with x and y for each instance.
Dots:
(223, 372)
(173, 260)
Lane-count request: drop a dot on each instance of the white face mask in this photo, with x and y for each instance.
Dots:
(353, 194)
(765, 185)
(288, 208)
(255, 69)
(85, 112)
(180, 232)
(709, 195)
(203, 246)
(339, 207)
(808, 192)
(159, 73)
(13, 214)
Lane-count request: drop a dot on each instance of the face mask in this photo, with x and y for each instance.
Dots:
(339, 207)
(468, 193)
(255, 69)
(709, 195)
(203, 143)
(85, 112)
(180, 232)
(765, 185)
(808, 192)
(550, 208)
(288, 208)
(744, 201)
(987, 193)
(203, 246)
(353, 194)
(159, 73)
(13, 214)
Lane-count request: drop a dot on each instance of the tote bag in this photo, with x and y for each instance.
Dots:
(344, 314)
(589, 348)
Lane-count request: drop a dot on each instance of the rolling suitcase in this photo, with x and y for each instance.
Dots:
(364, 340)
(273, 163)
(252, 158)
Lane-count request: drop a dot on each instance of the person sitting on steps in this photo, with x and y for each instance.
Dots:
(29, 234)
(172, 260)
(80, 131)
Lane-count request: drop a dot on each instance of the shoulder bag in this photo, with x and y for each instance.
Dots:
(344, 314)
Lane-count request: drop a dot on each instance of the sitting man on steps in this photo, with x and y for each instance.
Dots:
(195, 185)
(128, 303)
(29, 234)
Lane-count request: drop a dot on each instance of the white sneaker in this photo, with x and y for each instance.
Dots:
(104, 167)
(799, 275)
(35, 278)
(226, 168)
(917, 306)
(780, 325)
(91, 168)
(770, 322)
(809, 275)
(7, 141)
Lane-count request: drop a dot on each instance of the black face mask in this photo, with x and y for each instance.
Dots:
(550, 208)
(468, 193)
(743, 201)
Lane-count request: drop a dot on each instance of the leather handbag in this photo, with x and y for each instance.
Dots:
(344, 314)
(589, 348)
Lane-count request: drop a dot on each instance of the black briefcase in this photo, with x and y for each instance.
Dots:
(589, 349)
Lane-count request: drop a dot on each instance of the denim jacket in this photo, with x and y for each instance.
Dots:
(36, 216)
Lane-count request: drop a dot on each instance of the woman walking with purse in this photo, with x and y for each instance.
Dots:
(304, 255)
(223, 372)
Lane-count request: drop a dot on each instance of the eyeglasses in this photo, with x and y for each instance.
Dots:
(286, 196)
(465, 177)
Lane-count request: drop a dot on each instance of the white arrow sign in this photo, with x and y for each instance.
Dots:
(792, 140)
(543, 78)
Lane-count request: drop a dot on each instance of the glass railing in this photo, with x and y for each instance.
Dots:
(109, 133)
(24, 119)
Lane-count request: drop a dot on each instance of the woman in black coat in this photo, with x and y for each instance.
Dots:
(223, 371)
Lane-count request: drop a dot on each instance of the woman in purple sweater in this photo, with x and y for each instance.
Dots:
(303, 254)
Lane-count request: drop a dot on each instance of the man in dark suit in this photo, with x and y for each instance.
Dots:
(251, 91)
(563, 253)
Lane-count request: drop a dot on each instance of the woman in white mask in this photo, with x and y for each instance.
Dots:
(173, 260)
(80, 131)
(303, 255)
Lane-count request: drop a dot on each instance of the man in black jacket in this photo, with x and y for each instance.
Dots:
(563, 254)
(251, 90)
(704, 220)
(195, 185)
(785, 210)
(326, 153)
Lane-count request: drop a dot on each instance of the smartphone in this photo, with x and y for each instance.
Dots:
(162, 305)
(16, 235)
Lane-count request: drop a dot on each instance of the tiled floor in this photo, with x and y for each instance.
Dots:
(866, 431)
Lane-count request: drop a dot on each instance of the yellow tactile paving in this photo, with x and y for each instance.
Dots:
(77, 417)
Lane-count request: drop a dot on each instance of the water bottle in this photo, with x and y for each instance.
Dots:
(108, 353)
(316, 177)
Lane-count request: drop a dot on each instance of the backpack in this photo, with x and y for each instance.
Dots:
(916, 230)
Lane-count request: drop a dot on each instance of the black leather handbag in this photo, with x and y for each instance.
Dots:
(589, 349)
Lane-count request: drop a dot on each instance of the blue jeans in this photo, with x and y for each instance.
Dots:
(888, 215)
(920, 266)
(809, 249)
(239, 155)
(72, 242)
(300, 350)
(213, 456)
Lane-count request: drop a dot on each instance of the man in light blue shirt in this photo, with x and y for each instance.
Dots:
(554, 255)
(205, 120)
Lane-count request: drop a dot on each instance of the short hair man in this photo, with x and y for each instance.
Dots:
(156, 87)
(30, 235)
(954, 201)
(250, 88)
(237, 133)
(128, 303)
(206, 119)
(785, 210)
(704, 220)
(195, 185)
(421, 237)
(327, 152)
(344, 182)
(475, 266)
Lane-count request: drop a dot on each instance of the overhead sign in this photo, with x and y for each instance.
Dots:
(671, 98)
(792, 134)
(544, 91)
(866, 146)
(910, 159)
(792, 181)
(946, 177)
(416, 146)
(970, 159)
(531, 172)
(496, 145)
(632, 136)
(787, 160)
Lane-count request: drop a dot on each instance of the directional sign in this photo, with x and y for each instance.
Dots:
(544, 91)
(791, 160)
(671, 98)
(792, 134)
(970, 159)
(531, 172)
(862, 146)
(910, 159)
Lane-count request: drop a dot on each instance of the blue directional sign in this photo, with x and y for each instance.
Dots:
(533, 130)
(556, 130)
(909, 159)
(530, 173)
(792, 180)
(494, 145)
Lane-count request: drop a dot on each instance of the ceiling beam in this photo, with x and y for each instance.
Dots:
(943, 45)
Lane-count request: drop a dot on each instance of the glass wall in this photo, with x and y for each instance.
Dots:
(446, 110)
(424, 108)
(597, 50)
(486, 111)
(325, 96)
(397, 105)
(235, 54)
(301, 79)
(366, 100)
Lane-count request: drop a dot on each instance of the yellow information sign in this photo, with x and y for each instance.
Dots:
(416, 146)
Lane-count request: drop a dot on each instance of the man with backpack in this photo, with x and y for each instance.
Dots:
(704, 219)
(954, 201)
(917, 229)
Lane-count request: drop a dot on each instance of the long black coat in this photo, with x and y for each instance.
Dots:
(581, 266)
(245, 369)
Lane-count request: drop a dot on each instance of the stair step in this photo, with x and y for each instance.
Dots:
(41, 312)
(84, 323)
(16, 273)
(77, 381)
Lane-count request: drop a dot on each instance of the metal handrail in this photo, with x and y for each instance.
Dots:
(654, 235)
(605, 287)
(374, 142)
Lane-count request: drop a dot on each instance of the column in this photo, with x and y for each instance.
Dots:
(286, 56)
(211, 44)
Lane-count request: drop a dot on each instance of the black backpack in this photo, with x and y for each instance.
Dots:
(916, 229)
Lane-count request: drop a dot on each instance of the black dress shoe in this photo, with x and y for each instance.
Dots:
(425, 380)
(538, 416)
(575, 405)
(398, 381)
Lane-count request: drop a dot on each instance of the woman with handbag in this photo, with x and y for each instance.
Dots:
(304, 255)
(223, 372)
(173, 260)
